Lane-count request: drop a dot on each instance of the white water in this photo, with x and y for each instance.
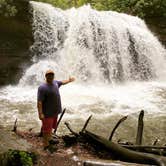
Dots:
(118, 64)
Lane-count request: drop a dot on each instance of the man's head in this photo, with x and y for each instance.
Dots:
(49, 76)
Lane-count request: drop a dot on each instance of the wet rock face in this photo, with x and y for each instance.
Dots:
(15, 40)
(158, 27)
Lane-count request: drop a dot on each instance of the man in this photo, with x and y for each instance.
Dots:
(49, 105)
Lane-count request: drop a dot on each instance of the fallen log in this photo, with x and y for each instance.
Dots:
(137, 147)
(159, 150)
(140, 128)
(70, 139)
(70, 129)
(97, 163)
(125, 154)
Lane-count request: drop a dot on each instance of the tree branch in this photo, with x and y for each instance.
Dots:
(86, 123)
(116, 126)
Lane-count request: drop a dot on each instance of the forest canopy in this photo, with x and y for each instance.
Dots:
(141, 8)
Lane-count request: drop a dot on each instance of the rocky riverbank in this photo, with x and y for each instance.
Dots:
(75, 155)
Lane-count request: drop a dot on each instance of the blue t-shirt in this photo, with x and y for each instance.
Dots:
(49, 95)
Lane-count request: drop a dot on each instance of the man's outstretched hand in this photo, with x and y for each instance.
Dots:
(71, 79)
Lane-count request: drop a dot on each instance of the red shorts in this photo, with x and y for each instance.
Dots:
(48, 124)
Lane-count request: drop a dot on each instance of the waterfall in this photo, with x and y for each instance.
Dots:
(106, 46)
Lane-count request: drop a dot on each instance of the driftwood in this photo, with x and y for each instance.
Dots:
(155, 142)
(75, 137)
(86, 123)
(140, 128)
(15, 126)
(70, 129)
(129, 153)
(159, 150)
(84, 127)
(136, 147)
(97, 163)
(116, 126)
(125, 154)
(70, 139)
(59, 120)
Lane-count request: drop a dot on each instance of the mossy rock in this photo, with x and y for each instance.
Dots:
(18, 158)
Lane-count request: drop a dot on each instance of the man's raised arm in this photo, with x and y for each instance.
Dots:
(71, 79)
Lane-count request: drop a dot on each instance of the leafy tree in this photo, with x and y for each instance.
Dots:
(7, 8)
(63, 4)
(142, 8)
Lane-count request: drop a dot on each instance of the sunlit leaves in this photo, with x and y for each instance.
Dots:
(141, 8)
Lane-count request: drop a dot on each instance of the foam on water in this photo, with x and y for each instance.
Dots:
(117, 99)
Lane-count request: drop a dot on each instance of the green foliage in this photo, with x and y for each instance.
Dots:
(100, 4)
(141, 8)
(63, 4)
(21, 158)
(7, 8)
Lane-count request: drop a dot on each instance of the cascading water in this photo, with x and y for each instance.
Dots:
(105, 47)
(118, 64)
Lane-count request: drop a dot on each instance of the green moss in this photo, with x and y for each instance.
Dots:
(18, 158)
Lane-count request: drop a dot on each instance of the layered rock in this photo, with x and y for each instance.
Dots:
(158, 27)
(16, 38)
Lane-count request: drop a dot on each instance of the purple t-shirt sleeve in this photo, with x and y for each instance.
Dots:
(59, 83)
(40, 94)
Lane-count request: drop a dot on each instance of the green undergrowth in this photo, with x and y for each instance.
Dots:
(18, 158)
